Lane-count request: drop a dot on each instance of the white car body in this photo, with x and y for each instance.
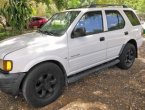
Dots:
(74, 55)
(71, 45)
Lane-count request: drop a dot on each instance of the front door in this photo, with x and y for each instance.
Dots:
(88, 49)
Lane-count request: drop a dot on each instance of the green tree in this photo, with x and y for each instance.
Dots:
(73, 3)
(141, 6)
(17, 13)
(47, 2)
(2, 2)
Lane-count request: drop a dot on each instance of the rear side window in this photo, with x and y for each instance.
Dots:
(114, 20)
(132, 18)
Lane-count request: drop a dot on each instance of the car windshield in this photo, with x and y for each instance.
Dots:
(59, 23)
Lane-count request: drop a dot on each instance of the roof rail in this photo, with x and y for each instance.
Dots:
(101, 5)
(106, 5)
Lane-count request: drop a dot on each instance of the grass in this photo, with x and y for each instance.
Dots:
(8, 33)
(3, 34)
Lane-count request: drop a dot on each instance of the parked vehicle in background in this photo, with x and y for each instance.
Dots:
(37, 22)
(71, 45)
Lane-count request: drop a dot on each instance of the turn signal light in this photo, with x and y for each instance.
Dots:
(7, 65)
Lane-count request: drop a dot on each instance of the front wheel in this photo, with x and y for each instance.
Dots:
(43, 85)
(127, 57)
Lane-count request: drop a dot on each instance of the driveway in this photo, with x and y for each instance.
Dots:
(110, 89)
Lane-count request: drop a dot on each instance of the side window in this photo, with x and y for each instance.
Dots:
(91, 23)
(114, 20)
(132, 18)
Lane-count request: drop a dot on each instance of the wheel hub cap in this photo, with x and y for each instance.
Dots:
(45, 85)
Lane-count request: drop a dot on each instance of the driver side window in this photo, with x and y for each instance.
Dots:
(90, 23)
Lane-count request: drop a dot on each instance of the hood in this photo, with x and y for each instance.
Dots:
(15, 43)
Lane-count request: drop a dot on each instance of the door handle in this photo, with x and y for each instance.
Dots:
(77, 55)
(102, 38)
(126, 33)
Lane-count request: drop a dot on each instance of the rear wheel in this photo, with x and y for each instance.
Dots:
(127, 57)
(43, 85)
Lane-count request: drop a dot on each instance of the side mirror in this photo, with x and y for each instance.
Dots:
(79, 32)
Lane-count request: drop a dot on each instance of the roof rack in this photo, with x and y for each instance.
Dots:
(101, 5)
(106, 5)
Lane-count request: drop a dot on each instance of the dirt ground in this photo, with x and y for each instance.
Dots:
(110, 89)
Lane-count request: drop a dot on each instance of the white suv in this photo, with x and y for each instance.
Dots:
(72, 44)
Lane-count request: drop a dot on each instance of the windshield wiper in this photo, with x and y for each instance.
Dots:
(50, 33)
(40, 31)
(46, 32)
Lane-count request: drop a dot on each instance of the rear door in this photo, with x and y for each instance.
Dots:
(116, 32)
(90, 49)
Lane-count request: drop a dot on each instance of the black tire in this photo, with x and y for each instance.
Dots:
(43, 84)
(127, 57)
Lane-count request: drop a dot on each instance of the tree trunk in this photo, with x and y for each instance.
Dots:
(3, 22)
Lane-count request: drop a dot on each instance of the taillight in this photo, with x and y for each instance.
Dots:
(40, 21)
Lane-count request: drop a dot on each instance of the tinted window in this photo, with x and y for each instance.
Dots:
(114, 20)
(92, 22)
(132, 18)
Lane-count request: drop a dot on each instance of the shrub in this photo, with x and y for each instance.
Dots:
(17, 13)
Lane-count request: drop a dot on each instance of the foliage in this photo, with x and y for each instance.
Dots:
(2, 2)
(5, 34)
(60, 3)
(3, 22)
(141, 6)
(17, 13)
(63, 4)
(73, 3)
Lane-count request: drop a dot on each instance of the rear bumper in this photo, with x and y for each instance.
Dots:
(10, 83)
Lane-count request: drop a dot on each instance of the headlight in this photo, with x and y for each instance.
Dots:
(6, 65)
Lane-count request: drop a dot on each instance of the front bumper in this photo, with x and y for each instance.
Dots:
(10, 83)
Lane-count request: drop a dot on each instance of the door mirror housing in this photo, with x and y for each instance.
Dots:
(79, 32)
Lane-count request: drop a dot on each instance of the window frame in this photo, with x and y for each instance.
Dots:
(101, 12)
(107, 20)
(134, 15)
